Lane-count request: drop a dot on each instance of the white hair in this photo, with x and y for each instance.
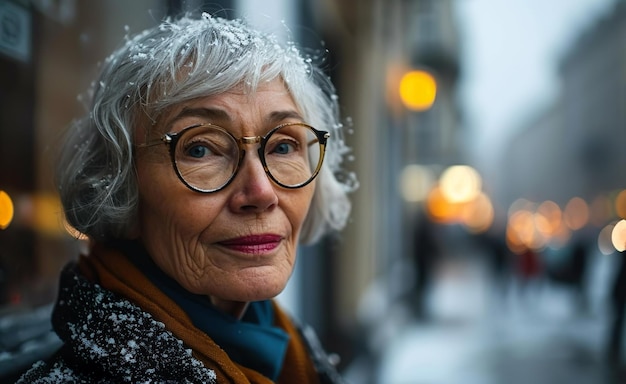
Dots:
(179, 60)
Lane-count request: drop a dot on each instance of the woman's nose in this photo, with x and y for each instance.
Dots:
(254, 191)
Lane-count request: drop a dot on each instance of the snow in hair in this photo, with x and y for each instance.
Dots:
(179, 60)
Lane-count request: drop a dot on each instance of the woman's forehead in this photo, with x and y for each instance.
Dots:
(271, 101)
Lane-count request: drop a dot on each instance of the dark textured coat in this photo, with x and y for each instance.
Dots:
(108, 339)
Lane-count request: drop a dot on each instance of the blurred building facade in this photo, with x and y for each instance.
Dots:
(370, 45)
(377, 42)
(575, 147)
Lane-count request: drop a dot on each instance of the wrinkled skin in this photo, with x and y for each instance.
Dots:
(196, 238)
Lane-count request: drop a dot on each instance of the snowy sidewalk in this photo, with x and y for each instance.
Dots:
(475, 338)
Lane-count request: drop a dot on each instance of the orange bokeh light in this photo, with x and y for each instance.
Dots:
(6, 210)
(418, 90)
(576, 213)
(478, 215)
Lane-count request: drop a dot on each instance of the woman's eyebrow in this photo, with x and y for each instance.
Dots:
(211, 114)
(219, 115)
(280, 116)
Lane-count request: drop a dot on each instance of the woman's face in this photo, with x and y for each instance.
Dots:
(237, 244)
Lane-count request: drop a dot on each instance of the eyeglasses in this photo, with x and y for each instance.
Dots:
(206, 157)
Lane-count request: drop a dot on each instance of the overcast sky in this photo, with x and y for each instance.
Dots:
(511, 51)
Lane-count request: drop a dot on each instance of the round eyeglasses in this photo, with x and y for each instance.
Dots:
(206, 157)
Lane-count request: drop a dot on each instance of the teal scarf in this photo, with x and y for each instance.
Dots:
(252, 342)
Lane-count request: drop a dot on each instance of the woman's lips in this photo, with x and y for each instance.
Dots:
(254, 244)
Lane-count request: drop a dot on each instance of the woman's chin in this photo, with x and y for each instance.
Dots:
(261, 293)
(261, 286)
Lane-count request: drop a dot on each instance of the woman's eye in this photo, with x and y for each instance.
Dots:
(283, 148)
(198, 151)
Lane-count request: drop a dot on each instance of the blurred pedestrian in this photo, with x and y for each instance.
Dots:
(618, 306)
(425, 254)
(498, 256)
(529, 272)
(579, 274)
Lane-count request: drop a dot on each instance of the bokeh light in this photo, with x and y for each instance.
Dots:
(576, 213)
(438, 207)
(6, 210)
(478, 215)
(618, 236)
(418, 90)
(605, 242)
(537, 226)
(552, 218)
(460, 183)
(416, 181)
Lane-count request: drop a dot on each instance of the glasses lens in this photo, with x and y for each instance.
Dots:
(293, 154)
(206, 157)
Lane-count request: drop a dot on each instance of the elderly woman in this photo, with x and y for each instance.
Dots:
(210, 151)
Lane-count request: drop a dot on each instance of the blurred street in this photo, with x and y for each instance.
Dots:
(487, 138)
(477, 333)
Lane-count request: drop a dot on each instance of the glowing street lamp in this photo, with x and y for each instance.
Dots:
(6, 210)
(418, 90)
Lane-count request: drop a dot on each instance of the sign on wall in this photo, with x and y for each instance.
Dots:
(15, 31)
